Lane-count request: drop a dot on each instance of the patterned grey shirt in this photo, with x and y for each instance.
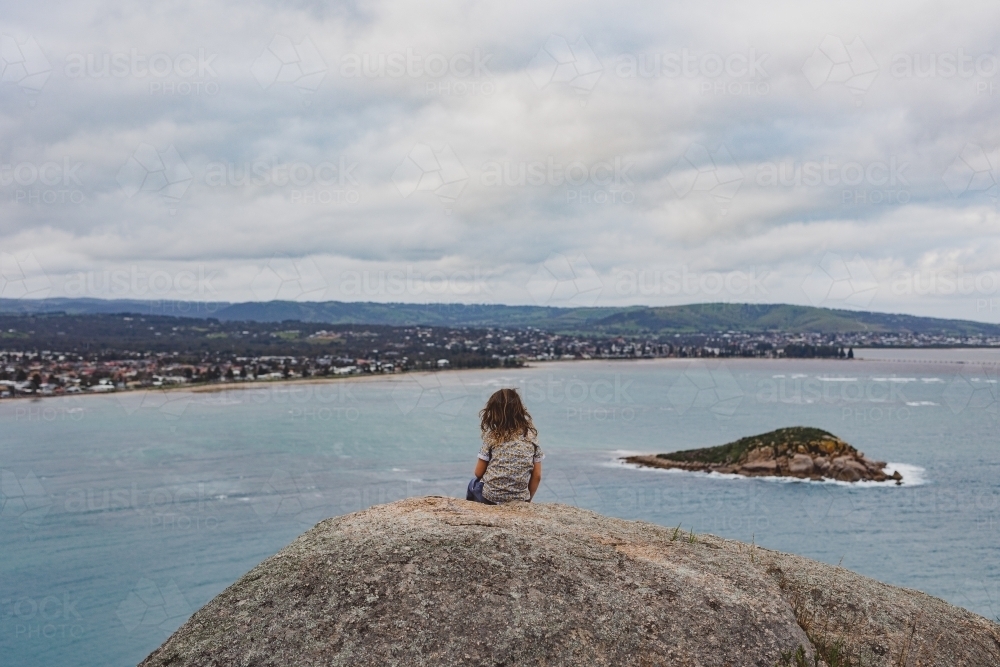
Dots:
(509, 469)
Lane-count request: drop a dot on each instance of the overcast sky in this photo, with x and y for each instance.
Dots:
(835, 154)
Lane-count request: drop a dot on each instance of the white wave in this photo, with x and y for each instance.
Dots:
(894, 379)
(912, 475)
(917, 403)
(838, 379)
(622, 453)
(499, 381)
(931, 380)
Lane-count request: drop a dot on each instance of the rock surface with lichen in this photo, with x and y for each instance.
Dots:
(439, 581)
(798, 451)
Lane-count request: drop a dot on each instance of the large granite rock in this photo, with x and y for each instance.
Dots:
(808, 453)
(438, 581)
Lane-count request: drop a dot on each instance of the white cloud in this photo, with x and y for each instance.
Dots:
(316, 178)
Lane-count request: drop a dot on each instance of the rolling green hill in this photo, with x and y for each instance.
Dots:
(711, 317)
(689, 319)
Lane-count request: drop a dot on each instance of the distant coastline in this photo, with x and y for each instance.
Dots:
(225, 386)
(55, 352)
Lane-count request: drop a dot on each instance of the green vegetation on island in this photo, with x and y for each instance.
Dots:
(797, 439)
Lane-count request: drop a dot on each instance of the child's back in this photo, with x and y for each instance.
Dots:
(509, 469)
(510, 460)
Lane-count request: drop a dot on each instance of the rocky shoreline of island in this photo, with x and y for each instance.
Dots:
(802, 452)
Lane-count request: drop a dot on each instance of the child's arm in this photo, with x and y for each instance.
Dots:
(484, 460)
(536, 479)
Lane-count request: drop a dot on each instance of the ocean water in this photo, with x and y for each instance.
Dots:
(123, 514)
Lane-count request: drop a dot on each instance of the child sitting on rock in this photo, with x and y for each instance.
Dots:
(510, 461)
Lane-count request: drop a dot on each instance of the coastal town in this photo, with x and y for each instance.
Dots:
(50, 355)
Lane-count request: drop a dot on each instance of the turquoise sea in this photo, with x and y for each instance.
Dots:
(122, 514)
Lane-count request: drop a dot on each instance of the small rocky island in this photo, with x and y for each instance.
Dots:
(807, 453)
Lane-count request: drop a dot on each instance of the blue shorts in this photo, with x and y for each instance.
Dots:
(475, 492)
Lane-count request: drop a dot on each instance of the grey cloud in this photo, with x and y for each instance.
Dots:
(301, 121)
